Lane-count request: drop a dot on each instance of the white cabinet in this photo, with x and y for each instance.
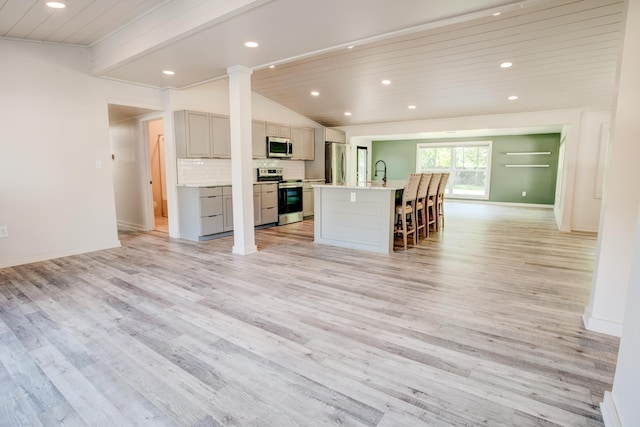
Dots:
(200, 211)
(303, 143)
(307, 199)
(259, 139)
(227, 207)
(278, 129)
(201, 135)
(335, 135)
(268, 203)
(220, 137)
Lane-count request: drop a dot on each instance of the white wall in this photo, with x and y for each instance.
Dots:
(53, 132)
(577, 194)
(585, 215)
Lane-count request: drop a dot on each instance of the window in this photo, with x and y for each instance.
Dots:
(468, 163)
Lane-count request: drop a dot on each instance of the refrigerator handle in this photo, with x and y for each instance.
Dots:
(344, 167)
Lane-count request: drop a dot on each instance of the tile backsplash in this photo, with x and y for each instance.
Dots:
(218, 171)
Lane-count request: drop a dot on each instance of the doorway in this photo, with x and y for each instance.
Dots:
(155, 136)
(362, 163)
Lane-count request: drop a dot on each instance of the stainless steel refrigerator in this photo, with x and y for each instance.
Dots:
(335, 162)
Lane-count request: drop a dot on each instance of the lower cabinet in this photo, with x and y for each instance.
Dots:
(307, 199)
(227, 206)
(201, 211)
(205, 211)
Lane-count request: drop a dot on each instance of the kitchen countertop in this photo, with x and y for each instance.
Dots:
(223, 184)
(369, 185)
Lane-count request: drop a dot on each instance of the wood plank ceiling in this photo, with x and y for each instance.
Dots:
(83, 23)
(564, 54)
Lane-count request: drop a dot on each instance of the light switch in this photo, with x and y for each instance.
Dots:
(353, 196)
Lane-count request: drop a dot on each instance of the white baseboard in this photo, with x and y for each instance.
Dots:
(129, 226)
(58, 254)
(609, 411)
(489, 202)
(602, 326)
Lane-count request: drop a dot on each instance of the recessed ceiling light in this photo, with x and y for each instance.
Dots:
(411, 107)
(386, 82)
(350, 47)
(56, 4)
(315, 93)
(272, 66)
(513, 97)
(506, 64)
(496, 14)
(347, 113)
(251, 44)
(168, 72)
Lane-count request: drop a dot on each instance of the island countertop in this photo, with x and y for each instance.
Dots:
(369, 185)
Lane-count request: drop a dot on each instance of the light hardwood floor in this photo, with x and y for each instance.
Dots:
(478, 325)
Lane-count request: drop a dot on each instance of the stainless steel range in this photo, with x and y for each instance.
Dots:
(289, 195)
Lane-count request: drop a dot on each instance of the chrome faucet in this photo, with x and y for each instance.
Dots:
(384, 176)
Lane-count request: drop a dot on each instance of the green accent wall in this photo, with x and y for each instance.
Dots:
(507, 184)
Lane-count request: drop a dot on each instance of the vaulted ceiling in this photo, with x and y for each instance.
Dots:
(443, 57)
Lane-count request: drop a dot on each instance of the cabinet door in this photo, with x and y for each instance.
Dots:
(220, 137)
(284, 131)
(227, 204)
(257, 209)
(272, 129)
(259, 139)
(269, 196)
(198, 134)
(308, 144)
(269, 215)
(296, 143)
(307, 202)
(335, 135)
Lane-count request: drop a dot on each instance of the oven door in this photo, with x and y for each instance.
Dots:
(289, 202)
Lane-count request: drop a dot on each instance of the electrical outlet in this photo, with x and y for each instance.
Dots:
(353, 196)
(524, 194)
(4, 231)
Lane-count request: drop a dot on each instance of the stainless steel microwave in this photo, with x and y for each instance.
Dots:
(279, 147)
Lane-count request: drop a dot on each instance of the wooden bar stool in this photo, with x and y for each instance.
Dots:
(405, 211)
(421, 205)
(440, 200)
(432, 201)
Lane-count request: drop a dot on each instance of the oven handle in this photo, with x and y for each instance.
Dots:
(289, 185)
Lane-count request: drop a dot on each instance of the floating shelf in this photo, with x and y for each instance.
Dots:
(529, 153)
(526, 166)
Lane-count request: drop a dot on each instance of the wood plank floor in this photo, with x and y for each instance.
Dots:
(478, 325)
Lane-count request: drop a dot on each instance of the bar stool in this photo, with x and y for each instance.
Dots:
(440, 200)
(406, 208)
(421, 205)
(432, 201)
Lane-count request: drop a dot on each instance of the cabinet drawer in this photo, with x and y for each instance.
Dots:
(269, 187)
(257, 189)
(269, 215)
(210, 191)
(211, 225)
(226, 190)
(210, 206)
(270, 199)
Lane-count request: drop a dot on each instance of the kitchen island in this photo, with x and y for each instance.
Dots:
(358, 216)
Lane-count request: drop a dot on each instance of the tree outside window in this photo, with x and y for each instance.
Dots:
(468, 163)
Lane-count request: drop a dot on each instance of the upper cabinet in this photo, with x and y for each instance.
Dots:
(201, 135)
(334, 135)
(259, 139)
(279, 130)
(303, 143)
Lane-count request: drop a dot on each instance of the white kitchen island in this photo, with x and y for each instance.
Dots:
(358, 216)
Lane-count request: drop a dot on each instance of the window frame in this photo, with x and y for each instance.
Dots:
(452, 169)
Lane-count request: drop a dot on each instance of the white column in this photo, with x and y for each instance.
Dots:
(621, 195)
(244, 242)
(620, 407)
